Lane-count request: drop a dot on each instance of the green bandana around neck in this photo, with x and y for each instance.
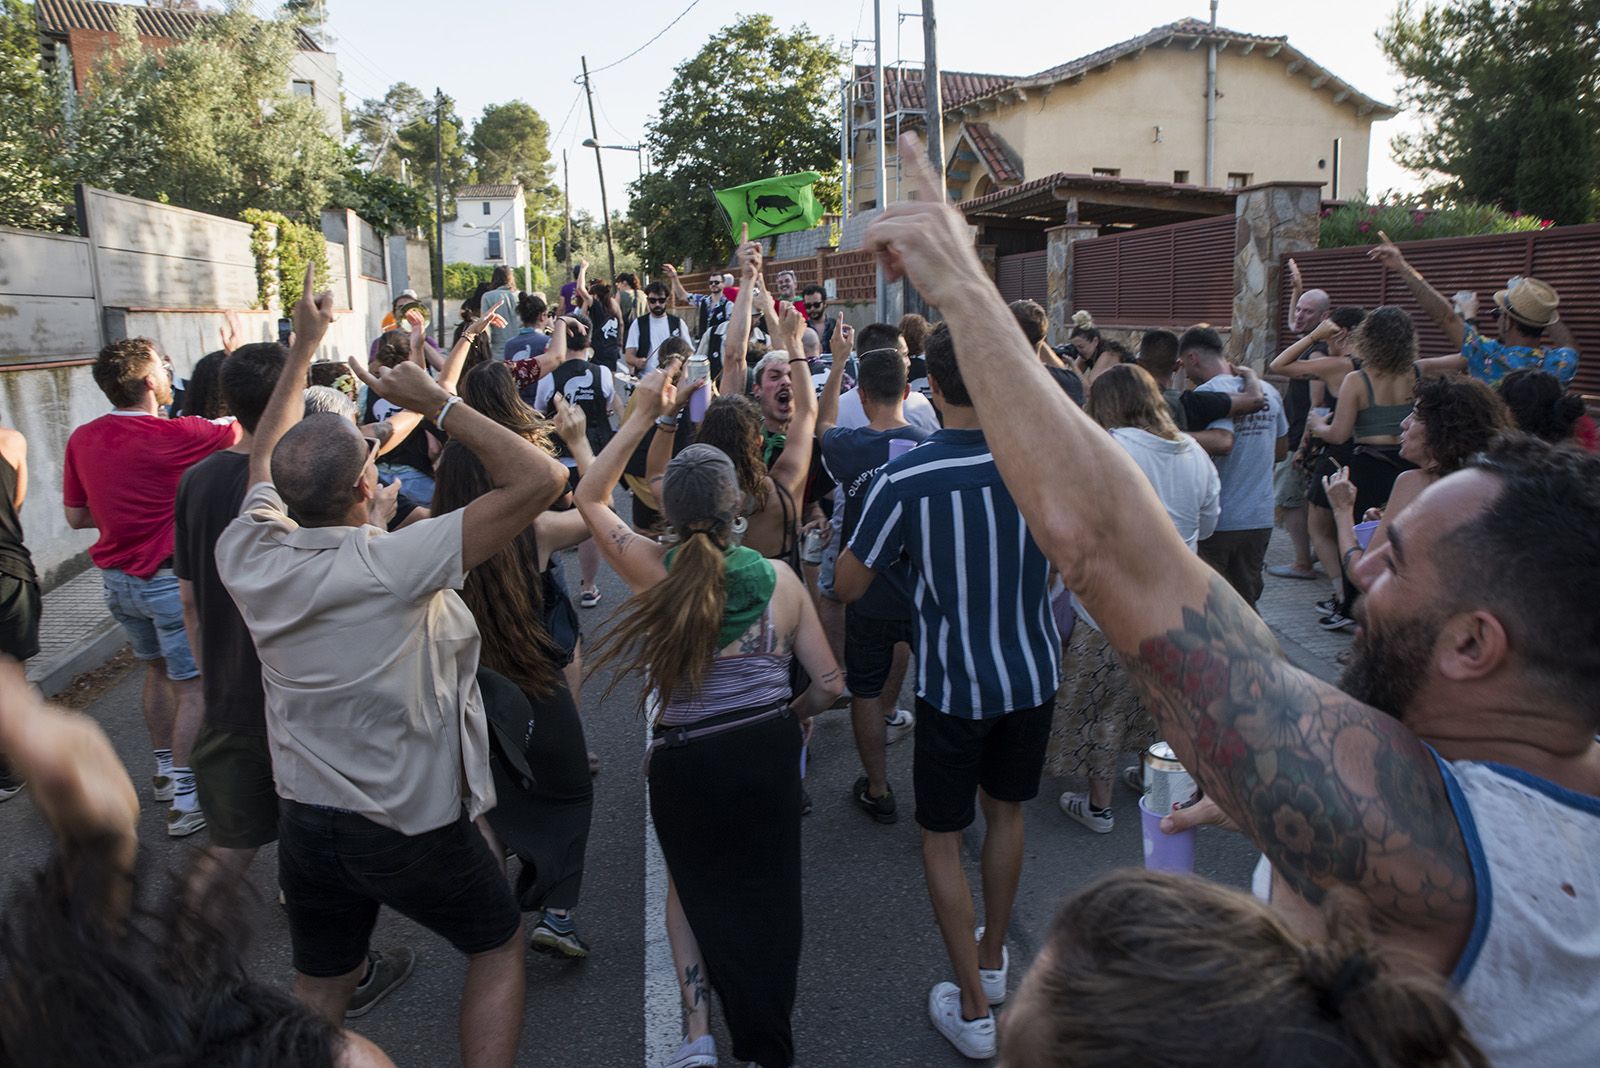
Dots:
(750, 580)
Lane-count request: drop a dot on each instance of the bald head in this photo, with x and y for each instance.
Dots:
(316, 466)
(1313, 307)
(811, 344)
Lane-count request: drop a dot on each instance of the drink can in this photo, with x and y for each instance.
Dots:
(1166, 782)
(811, 547)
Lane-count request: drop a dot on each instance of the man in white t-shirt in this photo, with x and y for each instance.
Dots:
(1238, 548)
(918, 411)
(647, 332)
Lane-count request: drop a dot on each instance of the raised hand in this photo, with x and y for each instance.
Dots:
(385, 499)
(312, 313)
(572, 425)
(483, 323)
(1294, 275)
(406, 385)
(1387, 253)
(790, 328)
(669, 270)
(1340, 490)
(844, 340)
(655, 390)
(926, 239)
(230, 332)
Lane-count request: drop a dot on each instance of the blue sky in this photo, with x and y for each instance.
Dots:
(529, 50)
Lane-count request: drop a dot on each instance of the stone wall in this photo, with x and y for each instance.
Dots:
(1277, 219)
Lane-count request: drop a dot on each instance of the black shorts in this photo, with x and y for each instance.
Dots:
(336, 868)
(233, 774)
(19, 617)
(869, 651)
(646, 520)
(955, 756)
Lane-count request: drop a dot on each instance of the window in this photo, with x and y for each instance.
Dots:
(494, 244)
(1238, 179)
(305, 89)
(1180, 177)
(1107, 172)
(486, 207)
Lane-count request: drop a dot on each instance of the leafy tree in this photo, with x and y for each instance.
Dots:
(387, 203)
(415, 144)
(377, 123)
(32, 191)
(213, 124)
(753, 103)
(510, 143)
(589, 243)
(1511, 95)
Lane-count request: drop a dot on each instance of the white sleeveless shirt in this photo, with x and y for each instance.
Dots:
(1528, 983)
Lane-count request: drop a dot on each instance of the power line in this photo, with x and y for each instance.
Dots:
(570, 110)
(647, 44)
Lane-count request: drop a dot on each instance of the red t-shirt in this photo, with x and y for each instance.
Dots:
(125, 470)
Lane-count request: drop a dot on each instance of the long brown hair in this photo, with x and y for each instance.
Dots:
(490, 390)
(1136, 946)
(1126, 395)
(505, 592)
(669, 632)
(733, 424)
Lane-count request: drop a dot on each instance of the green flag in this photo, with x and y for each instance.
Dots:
(781, 205)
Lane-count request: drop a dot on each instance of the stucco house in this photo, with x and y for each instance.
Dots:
(1133, 111)
(73, 34)
(490, 227)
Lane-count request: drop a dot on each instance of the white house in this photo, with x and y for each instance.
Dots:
(490, 227)
(75, 33)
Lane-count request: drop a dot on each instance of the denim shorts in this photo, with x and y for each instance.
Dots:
(830, 561)
(415, 484)
(151, 614)
(336, 868)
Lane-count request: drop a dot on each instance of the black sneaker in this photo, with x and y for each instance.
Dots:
(547, 938)
(385, 971)
(879, 808)
(1336, 620)
(10, 787)
(805, 802)
(1327, 606)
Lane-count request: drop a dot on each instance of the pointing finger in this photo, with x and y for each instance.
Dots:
(361, 372)
(914, 158)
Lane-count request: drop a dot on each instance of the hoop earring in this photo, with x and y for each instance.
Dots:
(740, 525)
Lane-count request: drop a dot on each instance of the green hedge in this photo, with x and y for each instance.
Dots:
(297, 245)
(1358, 222)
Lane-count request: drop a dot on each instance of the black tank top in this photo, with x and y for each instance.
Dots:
(606, 348)
(15, 559)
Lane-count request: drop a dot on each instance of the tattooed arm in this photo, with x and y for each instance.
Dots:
(1335, 793)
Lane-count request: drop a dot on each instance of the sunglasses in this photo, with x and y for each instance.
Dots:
(814, 305)
(657, 300)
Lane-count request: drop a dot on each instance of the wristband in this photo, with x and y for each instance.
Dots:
(798, 359)
(438, 420)
(667, 423)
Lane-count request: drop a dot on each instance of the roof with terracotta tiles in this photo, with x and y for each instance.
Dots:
(905, 90)
(492, 191)
(996, 155)
(56, 18)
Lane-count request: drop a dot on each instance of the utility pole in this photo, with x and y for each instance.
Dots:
(566, 209)
(438, 207)
(881, 126)
(932, 91)
(605, 210)
(844, 146)
(1211, 100)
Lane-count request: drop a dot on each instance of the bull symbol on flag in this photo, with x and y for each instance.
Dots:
(780, 205)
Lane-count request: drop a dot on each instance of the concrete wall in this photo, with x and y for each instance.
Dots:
(1271, 124)
(142, 270)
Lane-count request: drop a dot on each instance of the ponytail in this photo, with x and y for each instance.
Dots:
(670, 630)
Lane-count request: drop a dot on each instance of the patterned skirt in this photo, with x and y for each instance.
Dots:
(1098, 713)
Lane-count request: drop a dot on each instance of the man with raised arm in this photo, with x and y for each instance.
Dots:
(1453, 784)
(369, 659)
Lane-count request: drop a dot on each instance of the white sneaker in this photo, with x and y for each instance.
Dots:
(971, 1038)
(994, 979)
(181, 824)
(1077, 806)
(898, 726)
(701, 1053)
(162, 788)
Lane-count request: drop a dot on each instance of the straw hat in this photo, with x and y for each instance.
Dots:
(1530, 301)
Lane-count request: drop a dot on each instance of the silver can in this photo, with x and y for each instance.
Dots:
(811, 547)
(1166, 783)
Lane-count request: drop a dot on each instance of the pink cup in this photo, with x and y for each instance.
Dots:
(1165, 852)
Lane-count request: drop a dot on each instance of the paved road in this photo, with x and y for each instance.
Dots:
(871, 948)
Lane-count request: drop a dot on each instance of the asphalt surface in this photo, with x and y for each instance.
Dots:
(871, 950)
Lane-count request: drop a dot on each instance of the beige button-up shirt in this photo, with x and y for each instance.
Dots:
(369, 660)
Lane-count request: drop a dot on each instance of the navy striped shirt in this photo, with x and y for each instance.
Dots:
(987, 642)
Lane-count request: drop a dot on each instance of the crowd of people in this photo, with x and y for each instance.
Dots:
(817, 513)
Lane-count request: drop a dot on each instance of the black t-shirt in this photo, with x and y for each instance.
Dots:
(209, 497)
(606, 348)
(1297, 398)
(413, 451)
